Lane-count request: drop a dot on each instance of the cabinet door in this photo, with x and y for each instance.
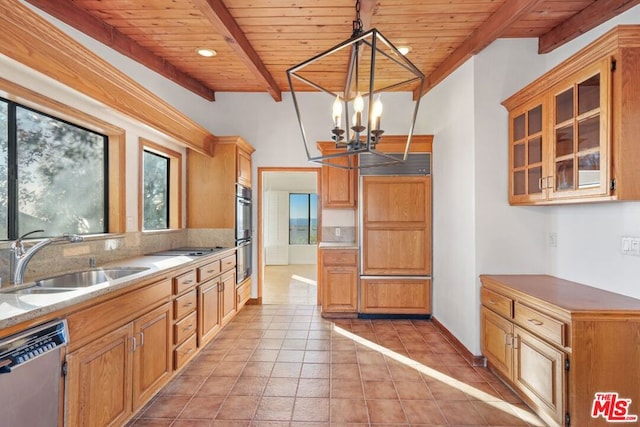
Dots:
(539, 373)
(152, 356)
(228, 297)
(395, 296)
(208, 310)
(339, 289)
(495, 344)
(244, 168)
(579, 151)
(99, 381)
(396, 225)
(339, 186)
(527, 165)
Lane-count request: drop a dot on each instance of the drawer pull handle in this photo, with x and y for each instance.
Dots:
(189, 350)
(508, 339)
(492, 302)
(188, 282)
(211, 271)
(189, 304)
(536, 322)
(188, 328)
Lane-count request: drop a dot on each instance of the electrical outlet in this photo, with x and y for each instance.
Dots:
(553, 240)
(337, 231)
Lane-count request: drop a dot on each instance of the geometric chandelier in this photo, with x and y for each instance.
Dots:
(354, 77)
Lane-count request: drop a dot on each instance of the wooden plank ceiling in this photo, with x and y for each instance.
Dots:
(258, 40)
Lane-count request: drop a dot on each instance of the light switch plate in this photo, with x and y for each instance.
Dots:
(630, 245)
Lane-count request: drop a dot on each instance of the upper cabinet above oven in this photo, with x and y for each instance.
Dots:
(211, 182)
(573, 131)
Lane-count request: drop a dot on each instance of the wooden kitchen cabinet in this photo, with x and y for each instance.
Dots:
(339, 282)
(216, 298)
(227, 297)
(395, 295)
(557, 343)
(117, 373)
(208, 310)
(185, 317)
(243, 293)
(99, 377)
(396, 225)
(217, 175)
(152, 354)
(339, 186)
(585, 148)
(243, 169)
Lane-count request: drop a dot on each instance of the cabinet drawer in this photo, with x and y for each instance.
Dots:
(243, 293)
(209, 270)
(540, 324)
(228, 262)
(184, 304)
(496, 302)
(184, 282)
(185, 328)
(184, 352)
(337, 257)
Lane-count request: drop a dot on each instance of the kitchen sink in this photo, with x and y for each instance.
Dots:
(38, 290)
(82, 279)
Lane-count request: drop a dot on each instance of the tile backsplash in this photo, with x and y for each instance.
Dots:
(345, 234)
(62, 256)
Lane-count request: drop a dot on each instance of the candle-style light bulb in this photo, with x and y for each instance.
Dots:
(337, 111)
(358, 106)
(376, 113)
(358, 103)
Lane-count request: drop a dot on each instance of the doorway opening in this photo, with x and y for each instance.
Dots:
(288, 226)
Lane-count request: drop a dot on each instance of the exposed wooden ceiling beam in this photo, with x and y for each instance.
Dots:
(587, 19)
(494, 27)
(218, 14)
(68, 12)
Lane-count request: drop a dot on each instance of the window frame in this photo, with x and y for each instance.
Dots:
(309, 210)
(13, 96)
(174, 181)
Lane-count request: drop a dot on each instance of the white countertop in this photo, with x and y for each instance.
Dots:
(338, 245)
(16, 308)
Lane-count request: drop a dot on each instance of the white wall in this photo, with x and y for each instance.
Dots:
(277, 186)
(449, 115)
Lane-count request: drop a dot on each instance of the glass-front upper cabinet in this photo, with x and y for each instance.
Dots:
(526, 158)
(580, 141)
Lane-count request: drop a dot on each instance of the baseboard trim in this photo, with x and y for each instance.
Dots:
(460, 348)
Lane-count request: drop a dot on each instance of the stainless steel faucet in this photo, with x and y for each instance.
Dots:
(20, 257)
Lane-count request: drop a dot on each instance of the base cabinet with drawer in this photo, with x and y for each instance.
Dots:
(116, 373)
(339, 281)
(558, 343)
(216, 297)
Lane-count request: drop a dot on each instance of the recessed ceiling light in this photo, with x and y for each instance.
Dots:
(404, 49)
(208, 53)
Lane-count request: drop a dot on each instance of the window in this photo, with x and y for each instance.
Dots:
(303, 219)
(160, 199)
(156, 191)
(52, 175)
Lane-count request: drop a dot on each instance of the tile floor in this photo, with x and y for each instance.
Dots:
(290, 284)
(284, 365)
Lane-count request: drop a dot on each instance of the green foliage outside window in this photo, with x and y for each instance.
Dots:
(156, 191)
(58, 183)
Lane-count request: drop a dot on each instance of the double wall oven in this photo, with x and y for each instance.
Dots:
(243, 232)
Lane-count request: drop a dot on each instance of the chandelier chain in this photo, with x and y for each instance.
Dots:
(357, 23)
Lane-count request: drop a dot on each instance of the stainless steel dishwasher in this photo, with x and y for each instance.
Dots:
(31, 374)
